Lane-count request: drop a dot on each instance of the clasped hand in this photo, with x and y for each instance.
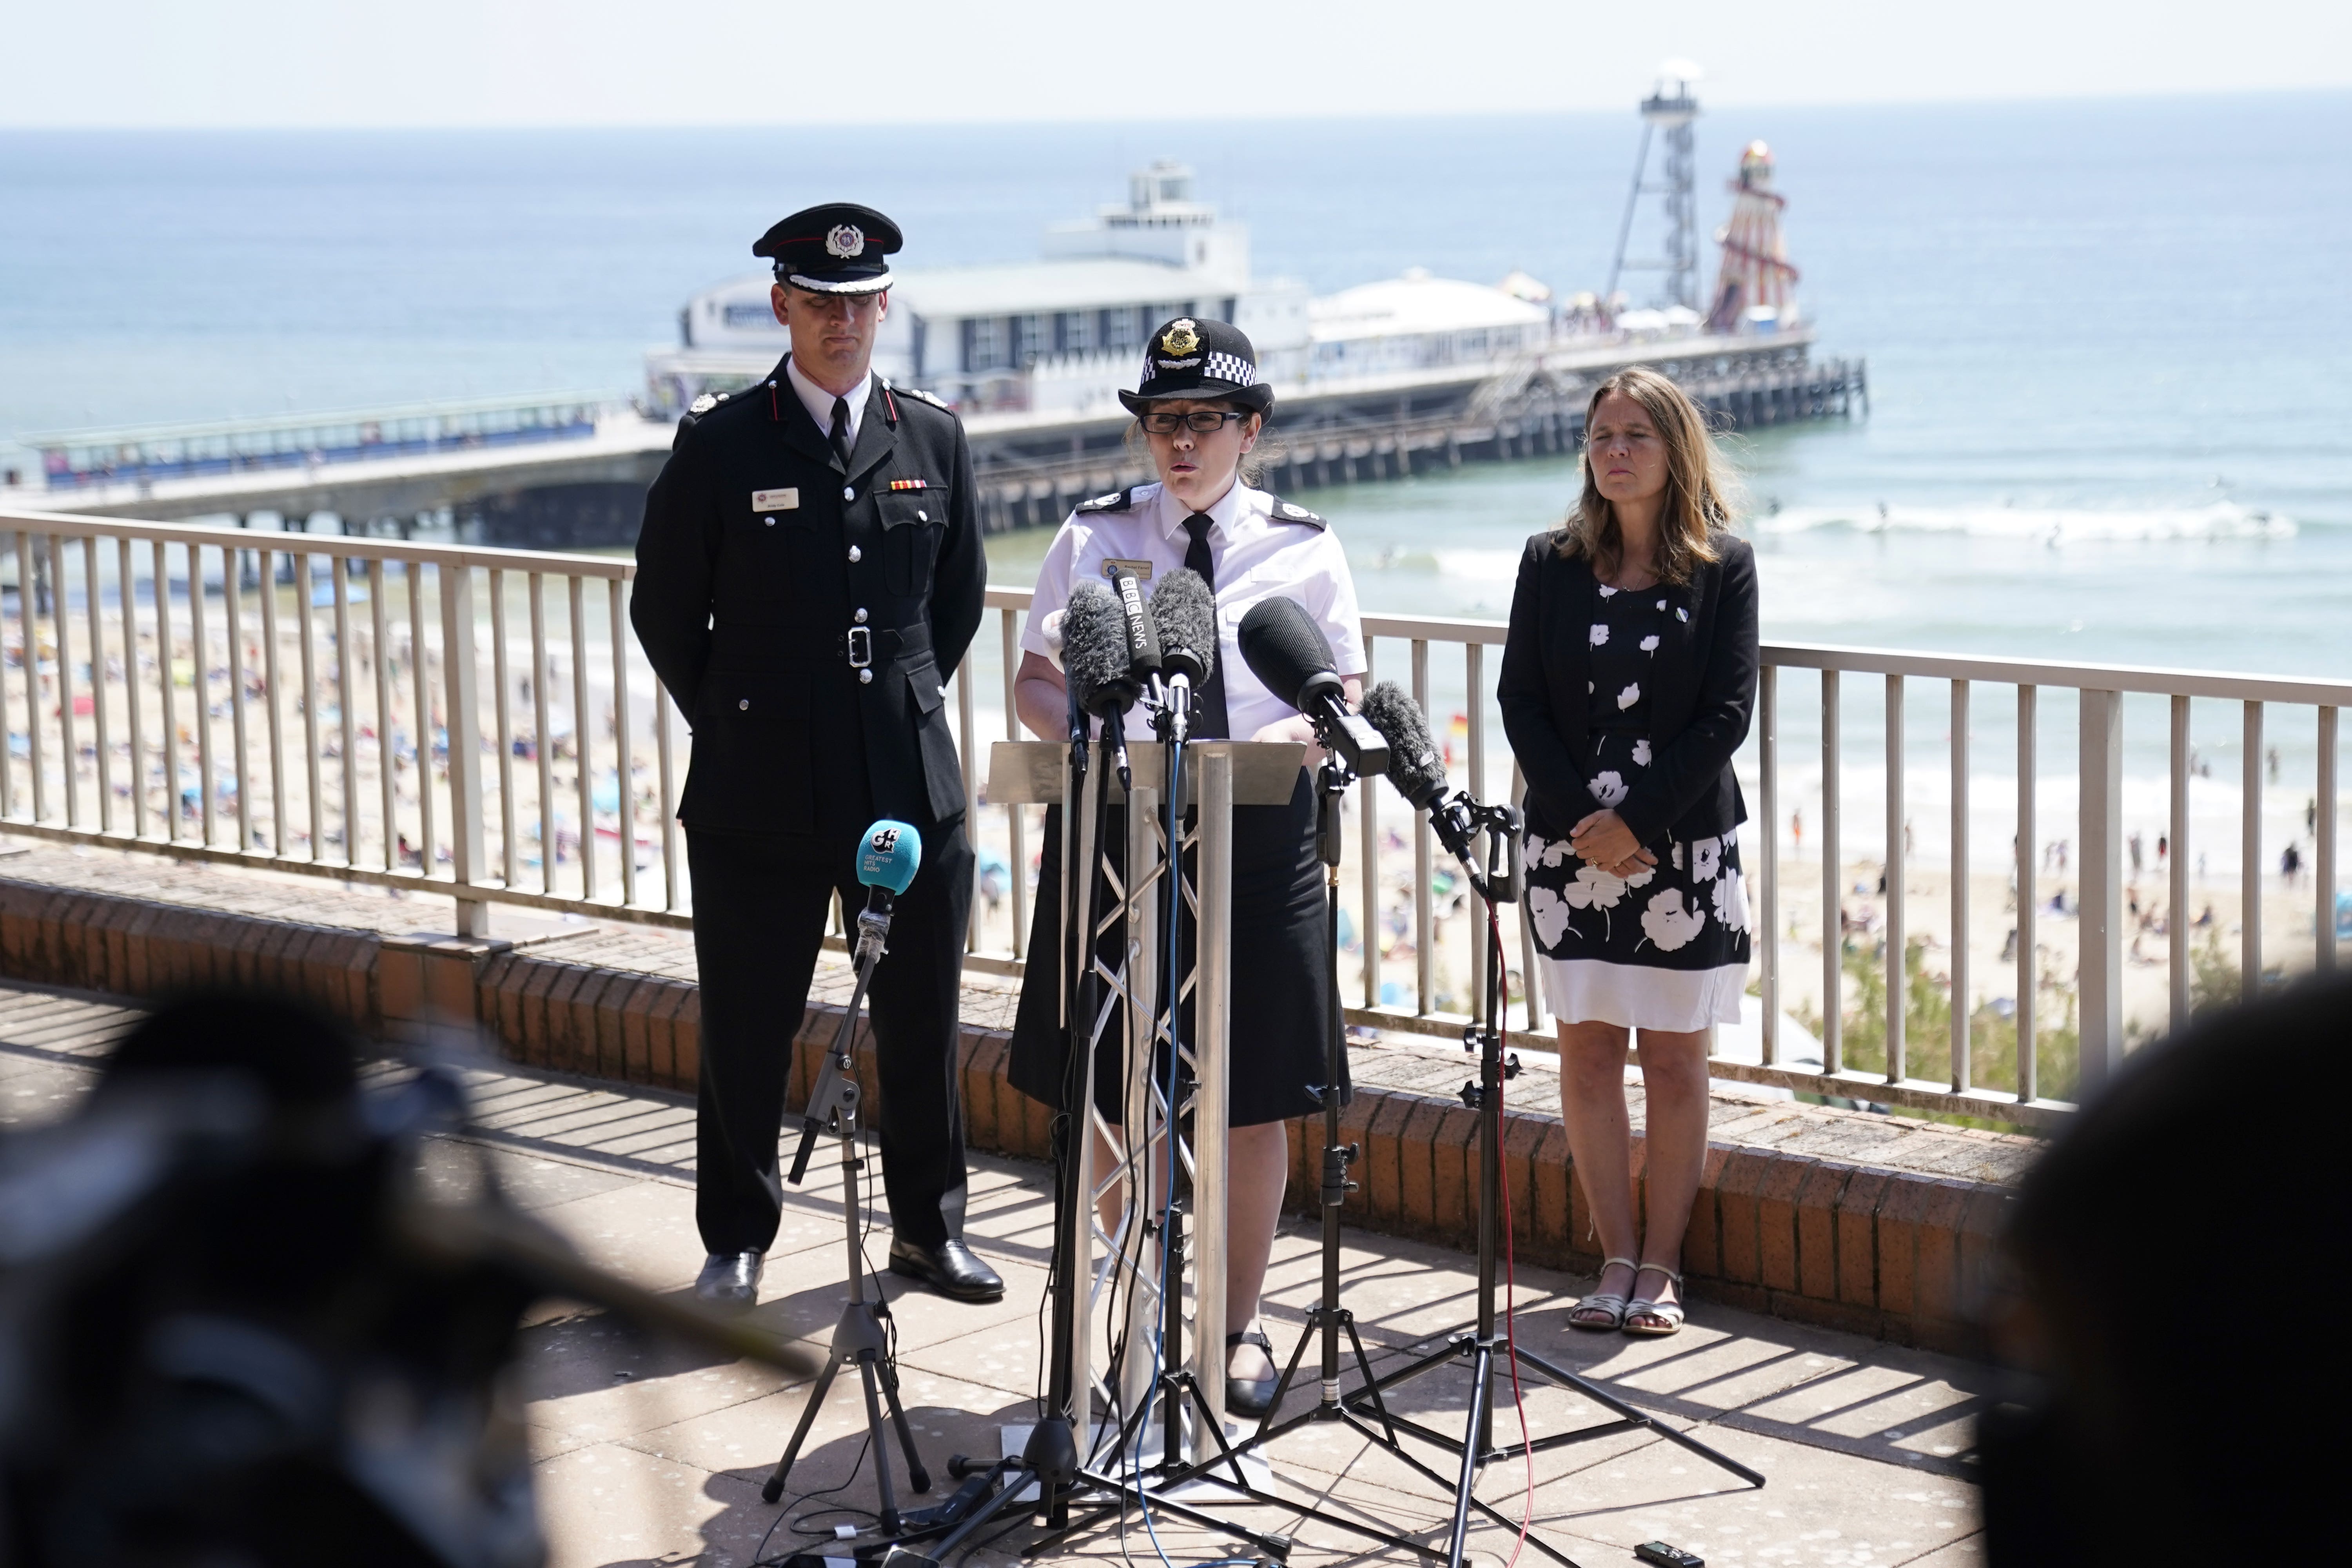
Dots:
(1602, 839)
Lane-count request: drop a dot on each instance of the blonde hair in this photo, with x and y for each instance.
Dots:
(1700, 489)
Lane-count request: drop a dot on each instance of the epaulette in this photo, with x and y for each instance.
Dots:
(1283, 510)
(1118, 500)
(918, 394)
(703, 404)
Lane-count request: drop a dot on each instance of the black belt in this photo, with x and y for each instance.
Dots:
(859, 647)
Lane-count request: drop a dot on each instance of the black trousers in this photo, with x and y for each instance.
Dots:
(761, 906)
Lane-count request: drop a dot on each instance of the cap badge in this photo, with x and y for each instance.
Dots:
(846, 239)
(1179, 339)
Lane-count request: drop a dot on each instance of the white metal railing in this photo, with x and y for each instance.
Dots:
(2018, 1088)
(315, 704)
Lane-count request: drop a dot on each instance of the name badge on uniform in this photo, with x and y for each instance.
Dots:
(1139, 570)
(776, 500)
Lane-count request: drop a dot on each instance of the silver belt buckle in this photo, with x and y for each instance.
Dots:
(861, 646)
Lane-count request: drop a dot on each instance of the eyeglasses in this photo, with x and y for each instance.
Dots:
(1200, 421)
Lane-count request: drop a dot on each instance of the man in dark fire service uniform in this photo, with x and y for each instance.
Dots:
(808, 576)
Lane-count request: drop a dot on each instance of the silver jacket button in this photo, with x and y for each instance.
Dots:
(856, 554)
(922, 517)
(769, 521)
(744, 704)
(865, 677)
(849, 492)
(859, 617)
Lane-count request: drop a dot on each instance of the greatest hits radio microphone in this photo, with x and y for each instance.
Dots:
(1185, 614)
(1419, 774)
(1095, 661)
(888, 856)
(1285, 649)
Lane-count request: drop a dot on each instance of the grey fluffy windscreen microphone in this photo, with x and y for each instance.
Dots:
(1095, 650)
(1415, 767)
(1186, 614)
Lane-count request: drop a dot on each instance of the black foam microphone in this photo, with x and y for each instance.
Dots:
(1185, 614)
(1095, 663)
(1286, 650)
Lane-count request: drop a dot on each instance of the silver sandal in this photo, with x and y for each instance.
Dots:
(1669, 1315)
(1607, 1301)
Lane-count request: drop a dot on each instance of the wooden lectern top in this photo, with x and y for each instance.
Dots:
(1030, 773)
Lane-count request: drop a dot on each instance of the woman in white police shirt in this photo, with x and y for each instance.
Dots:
(1200, 408)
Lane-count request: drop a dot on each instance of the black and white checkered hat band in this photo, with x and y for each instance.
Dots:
(1230, 367)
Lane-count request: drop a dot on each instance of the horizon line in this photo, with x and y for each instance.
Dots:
(1298, 117)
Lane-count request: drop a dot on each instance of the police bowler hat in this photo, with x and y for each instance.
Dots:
(1205, 360)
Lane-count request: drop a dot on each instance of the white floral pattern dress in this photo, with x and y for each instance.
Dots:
(1667, 948)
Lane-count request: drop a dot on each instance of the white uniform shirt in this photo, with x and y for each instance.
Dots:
(819, 402)
(1256, 555)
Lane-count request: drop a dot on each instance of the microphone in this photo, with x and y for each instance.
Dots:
(1286, 650)
(1095, 661)
(1418, 775)
(890, 853)
(1185, 614)
(1142, 636)
(888, 856)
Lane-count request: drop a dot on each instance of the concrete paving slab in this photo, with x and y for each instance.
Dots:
(1818, 1507)
(608, 1506)
(590, 1378)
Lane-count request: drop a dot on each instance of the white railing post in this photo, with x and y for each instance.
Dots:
(1424, 914)
(1833, 889)
(1898, 1062)
(1369, 843)
(2176, 923)
(2322, 847)
(1768, 867)
(464, 722)
(1962, 1066)
(2250, 859)
(2029, 1074)
(2100, 929)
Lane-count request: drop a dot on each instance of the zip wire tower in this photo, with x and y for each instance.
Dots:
(1670, 108)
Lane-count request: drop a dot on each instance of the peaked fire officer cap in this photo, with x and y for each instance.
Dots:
(839, 247)
(1199, 358)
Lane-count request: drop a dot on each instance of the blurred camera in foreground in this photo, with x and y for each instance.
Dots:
(254, 1313)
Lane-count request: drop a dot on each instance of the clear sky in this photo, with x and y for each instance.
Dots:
(396, 63)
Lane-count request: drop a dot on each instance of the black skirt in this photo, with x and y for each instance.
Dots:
(1284, 996)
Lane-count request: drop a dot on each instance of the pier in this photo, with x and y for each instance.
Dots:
(571, 472)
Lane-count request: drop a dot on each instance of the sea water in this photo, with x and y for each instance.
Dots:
(2109, 416)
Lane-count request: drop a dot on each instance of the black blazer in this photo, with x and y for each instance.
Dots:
(1701, 693)
(771, 577)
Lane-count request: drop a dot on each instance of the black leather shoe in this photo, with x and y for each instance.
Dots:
(1250, 1395)
(730, 1280)
(950, 1268)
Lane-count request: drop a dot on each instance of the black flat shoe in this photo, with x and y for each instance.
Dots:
(1250, 1395)
(950, 1268)
(730, 1281)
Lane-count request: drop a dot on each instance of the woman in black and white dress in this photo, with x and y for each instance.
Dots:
(1629, 676)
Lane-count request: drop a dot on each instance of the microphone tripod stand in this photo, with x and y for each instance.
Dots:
(1365, 1411)
(1052, 1457)
(862, 1337)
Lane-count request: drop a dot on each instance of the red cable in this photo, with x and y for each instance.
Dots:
(1510, 1284)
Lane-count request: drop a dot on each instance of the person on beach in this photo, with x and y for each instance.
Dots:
(1199, 411)
(1629, 676)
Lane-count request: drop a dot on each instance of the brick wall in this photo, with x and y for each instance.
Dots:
(1892, 1253)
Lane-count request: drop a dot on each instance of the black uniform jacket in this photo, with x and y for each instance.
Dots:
(1702, 694)
(758, 555)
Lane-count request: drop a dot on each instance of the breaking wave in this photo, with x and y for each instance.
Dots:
(2048, 525)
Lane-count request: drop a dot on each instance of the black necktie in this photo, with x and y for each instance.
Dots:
(1209, 721)
(840, 436)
